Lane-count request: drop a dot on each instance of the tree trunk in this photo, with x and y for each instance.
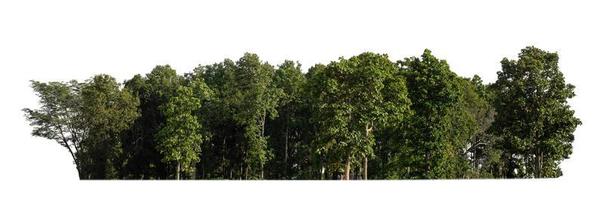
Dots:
(365, 168)
(246, 171)
(240, 172)
(539, 164)
(262, 163)
(72, 153)
(80, 175)
(368, 129)
(203, 170)
(322, 172)
(177, 170)
(347, 169)
(285, 154)
(224, 150)
(510, 169)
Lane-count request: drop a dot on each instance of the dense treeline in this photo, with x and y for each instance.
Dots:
(364, 117)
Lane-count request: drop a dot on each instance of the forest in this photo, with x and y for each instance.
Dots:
(359, 118)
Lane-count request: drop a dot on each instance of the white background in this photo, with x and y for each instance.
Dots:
(63, 40)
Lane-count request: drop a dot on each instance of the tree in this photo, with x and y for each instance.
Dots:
(334, 140)
(477, 102)
(319, 163)
(354, 102)
(362, 117)
(206, 97)
(87, 118)
(256, 101)
(285, 131)
(224, 149)
(379, 98)
(143, 161)
(432, 90)
(58, 118)
(245, 98)
(179, 140)
(107, 111)
(534, 121)
(467, 122)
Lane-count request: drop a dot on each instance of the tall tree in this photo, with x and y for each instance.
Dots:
(108, 111)
(433, 93)
(143, 161)
(334, 140)
(256, 103)
(285, 131)
(179, 140)
(223, 150)
(245, 99)
(477, 102)
(206, 97)
(379, 98)
(320, 164)
(355, 103)
(467, 121)
(533, 119)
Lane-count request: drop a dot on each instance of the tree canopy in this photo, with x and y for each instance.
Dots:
(362, 117)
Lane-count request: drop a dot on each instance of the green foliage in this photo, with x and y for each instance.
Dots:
(106, 111)
(58, 118)
(286, 131)
(364, 117)
(244, 98)
(179, 139)
(257, 100)
(534, 121)
(434, 96)
(143, 161)
(353, 101)
(88, 119)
